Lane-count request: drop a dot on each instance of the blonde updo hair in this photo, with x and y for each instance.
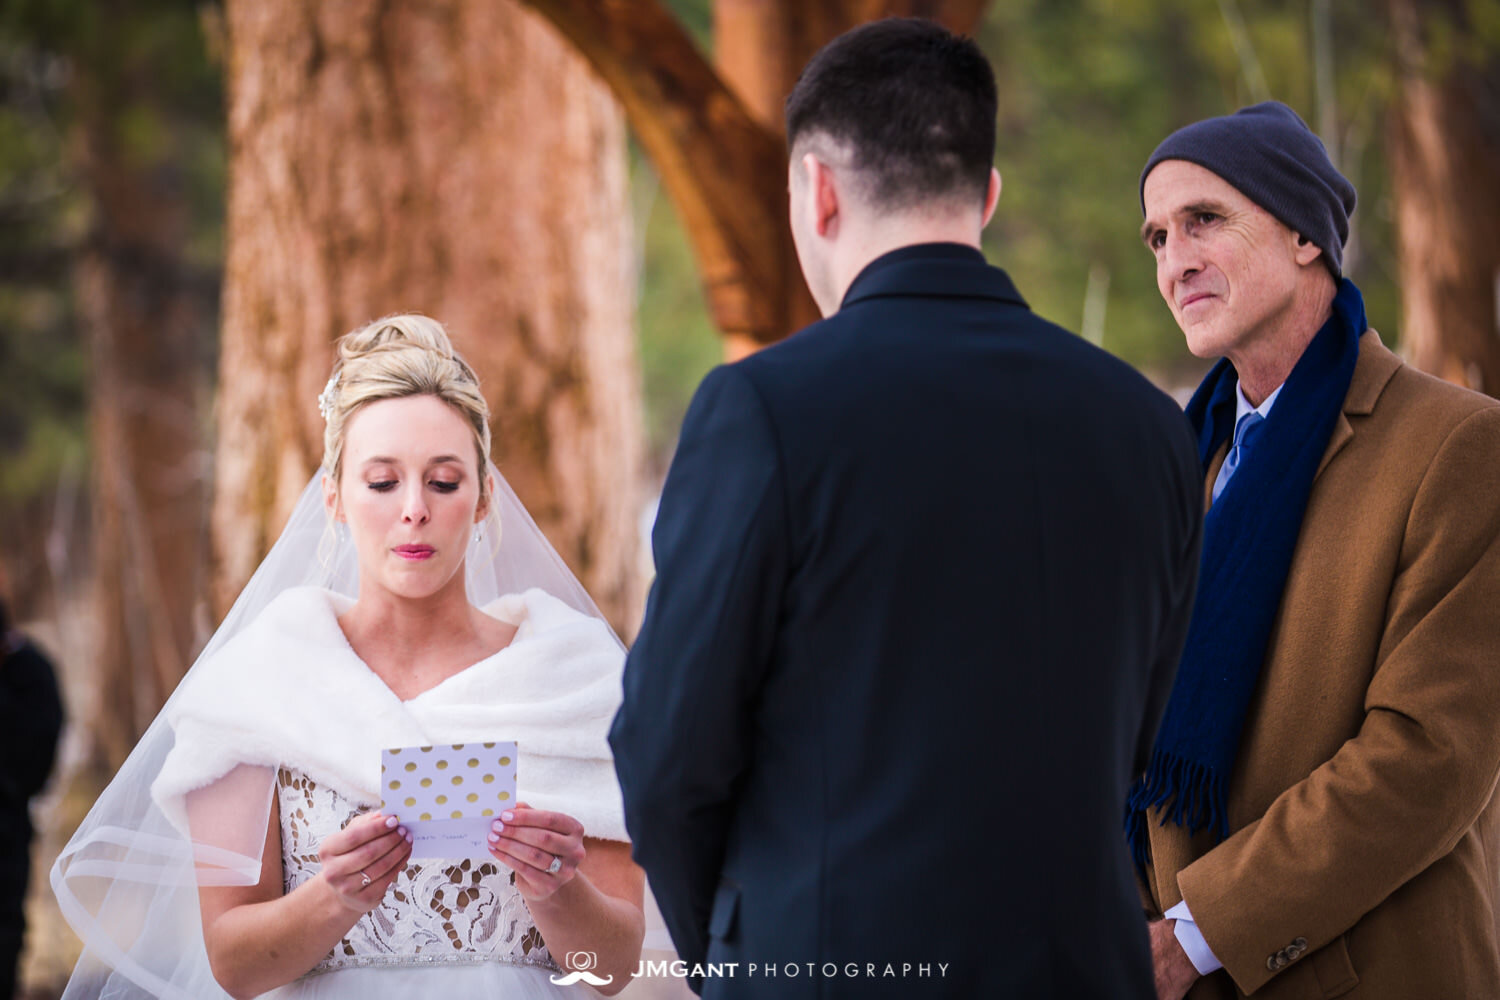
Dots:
(395, 357)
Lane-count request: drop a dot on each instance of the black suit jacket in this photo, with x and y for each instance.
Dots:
(924, 571)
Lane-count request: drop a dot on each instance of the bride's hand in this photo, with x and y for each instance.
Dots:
(526, 840)
(362, 860)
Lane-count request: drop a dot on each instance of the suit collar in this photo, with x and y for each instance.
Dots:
(1372, 372)
(937, 269)
(1374, 369)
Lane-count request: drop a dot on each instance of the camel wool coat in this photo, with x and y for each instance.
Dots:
(1364, 852)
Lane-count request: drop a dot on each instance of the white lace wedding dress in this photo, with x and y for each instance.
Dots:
(445, 928)
(461, 916)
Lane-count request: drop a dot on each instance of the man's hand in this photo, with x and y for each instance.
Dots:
(1174, 970)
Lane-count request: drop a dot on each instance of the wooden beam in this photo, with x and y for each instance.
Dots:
(725, 172)
(715, 134)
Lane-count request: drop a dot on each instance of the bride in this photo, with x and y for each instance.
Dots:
(243, 848)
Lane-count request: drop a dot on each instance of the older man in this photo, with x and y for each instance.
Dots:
(1317, 819)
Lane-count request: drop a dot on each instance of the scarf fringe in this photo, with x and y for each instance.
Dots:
(1190, 794)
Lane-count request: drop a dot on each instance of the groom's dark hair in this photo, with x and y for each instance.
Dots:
(914, 103)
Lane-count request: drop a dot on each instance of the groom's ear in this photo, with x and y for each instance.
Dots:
(824, 200)
(991, 198)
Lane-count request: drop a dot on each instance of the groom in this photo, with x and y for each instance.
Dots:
(924, 571)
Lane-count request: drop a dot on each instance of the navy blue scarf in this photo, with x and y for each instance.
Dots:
(1248, 538)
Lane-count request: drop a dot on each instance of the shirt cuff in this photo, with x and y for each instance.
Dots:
(1191, 939)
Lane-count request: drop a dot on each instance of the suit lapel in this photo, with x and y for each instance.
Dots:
(1374, 369)
(1342, 433)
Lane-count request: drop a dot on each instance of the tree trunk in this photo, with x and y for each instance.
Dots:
(148, 372)
(1444, 141)
(454, 158)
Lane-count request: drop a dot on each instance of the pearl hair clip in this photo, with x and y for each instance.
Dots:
(326, 397)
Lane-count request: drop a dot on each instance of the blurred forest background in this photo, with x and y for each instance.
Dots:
(197, 198)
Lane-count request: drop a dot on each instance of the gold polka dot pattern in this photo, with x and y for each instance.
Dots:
(425, 777)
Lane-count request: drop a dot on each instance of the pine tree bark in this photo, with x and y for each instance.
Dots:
(454, 158)
(146, 329)
(1444, 142)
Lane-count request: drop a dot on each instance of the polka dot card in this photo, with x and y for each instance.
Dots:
(448, 795)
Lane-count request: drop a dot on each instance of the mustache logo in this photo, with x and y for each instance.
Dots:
(581, 977)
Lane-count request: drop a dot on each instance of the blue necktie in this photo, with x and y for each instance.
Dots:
(1244, 434)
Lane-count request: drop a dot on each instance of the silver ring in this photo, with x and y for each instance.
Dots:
(555, 866)
(364, 879)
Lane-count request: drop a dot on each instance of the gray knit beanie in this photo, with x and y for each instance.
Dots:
(1275, 160)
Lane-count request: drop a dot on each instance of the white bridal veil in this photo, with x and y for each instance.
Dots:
(128, 879)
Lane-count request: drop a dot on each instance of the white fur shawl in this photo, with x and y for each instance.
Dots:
(290, 691)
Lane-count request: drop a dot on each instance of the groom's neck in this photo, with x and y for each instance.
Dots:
(874, 237)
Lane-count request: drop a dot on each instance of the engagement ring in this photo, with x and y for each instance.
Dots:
(555, 866)
(364, 880)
